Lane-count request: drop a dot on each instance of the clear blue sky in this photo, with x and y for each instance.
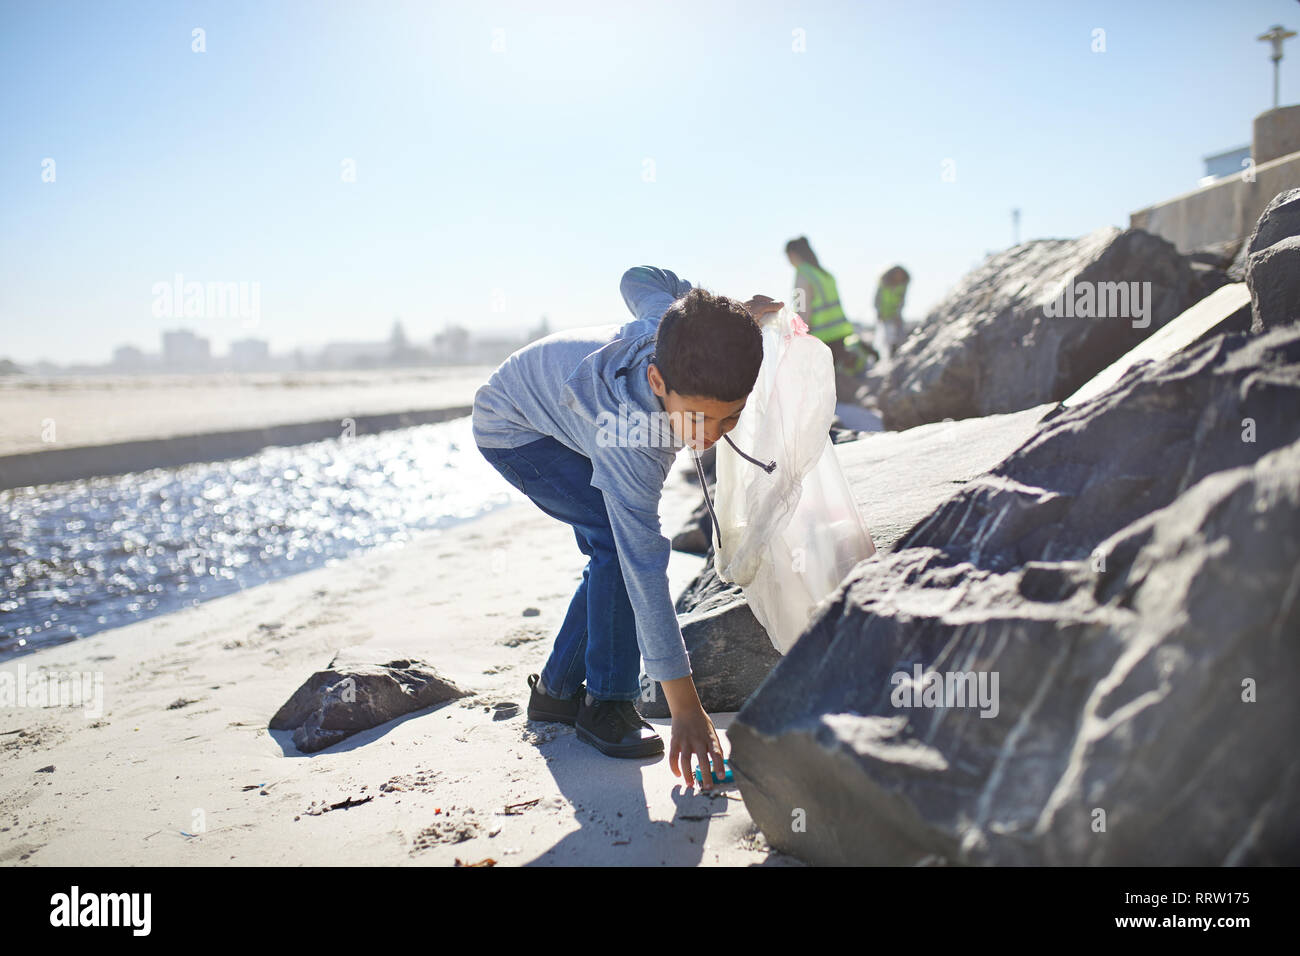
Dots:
(522, 170)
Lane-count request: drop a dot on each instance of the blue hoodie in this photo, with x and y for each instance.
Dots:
(568, 386)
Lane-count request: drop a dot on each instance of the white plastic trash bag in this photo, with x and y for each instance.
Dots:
(790, 534)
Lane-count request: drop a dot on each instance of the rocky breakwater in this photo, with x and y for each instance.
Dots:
(1032, 324)
(1084, 656)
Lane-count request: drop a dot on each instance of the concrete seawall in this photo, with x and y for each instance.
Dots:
(1221, 212)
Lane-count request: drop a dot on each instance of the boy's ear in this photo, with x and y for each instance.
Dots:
(656, 381)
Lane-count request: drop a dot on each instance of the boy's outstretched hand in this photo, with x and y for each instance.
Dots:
(693, 735)
(760, 305)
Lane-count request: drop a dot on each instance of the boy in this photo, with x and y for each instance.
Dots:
(587, 423)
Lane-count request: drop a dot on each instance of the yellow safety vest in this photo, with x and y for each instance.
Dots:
(889, 300)
(826, 318)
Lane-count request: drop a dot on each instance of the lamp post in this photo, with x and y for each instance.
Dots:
(1276, 36)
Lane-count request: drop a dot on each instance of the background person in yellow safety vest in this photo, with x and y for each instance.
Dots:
(817, 301)
(889, 309)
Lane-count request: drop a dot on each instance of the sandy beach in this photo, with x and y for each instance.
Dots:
(40, 415)
(179, 768)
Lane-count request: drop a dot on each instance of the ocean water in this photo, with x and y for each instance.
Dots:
(84, 556)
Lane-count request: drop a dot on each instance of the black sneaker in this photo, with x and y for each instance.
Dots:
(555, 709)
(616, 729)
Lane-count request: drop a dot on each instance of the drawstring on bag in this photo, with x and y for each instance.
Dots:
(769, 467)
(704, 485)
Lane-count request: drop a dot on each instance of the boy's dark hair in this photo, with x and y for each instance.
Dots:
(708, 346)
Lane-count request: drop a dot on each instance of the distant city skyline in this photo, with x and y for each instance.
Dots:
(318, 168)
(183, 350)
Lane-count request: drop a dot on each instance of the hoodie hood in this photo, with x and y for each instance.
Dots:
(610, 384)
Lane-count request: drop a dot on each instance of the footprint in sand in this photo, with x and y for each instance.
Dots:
(537, 732)
(19, 852)
(42, 736)
(524, 634)
(421, 780)
(452, 830)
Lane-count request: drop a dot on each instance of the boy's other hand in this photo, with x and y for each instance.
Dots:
(760, 305)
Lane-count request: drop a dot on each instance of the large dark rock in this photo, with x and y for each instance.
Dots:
(356, 692)
(1280, 219)
(1227, 309)
(1130, 574)
(707, 592)
(897, 478)
(1095, 467)
(1236, 272)
(1273, 275)
(1214, 265)
(1273, 263)
(730, 652)
(990, 347)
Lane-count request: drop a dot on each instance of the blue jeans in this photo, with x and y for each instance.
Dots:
(597, 640)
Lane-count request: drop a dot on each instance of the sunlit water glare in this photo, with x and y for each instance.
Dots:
(89, 555)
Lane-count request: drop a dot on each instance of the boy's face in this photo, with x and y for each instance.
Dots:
(698, 421)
